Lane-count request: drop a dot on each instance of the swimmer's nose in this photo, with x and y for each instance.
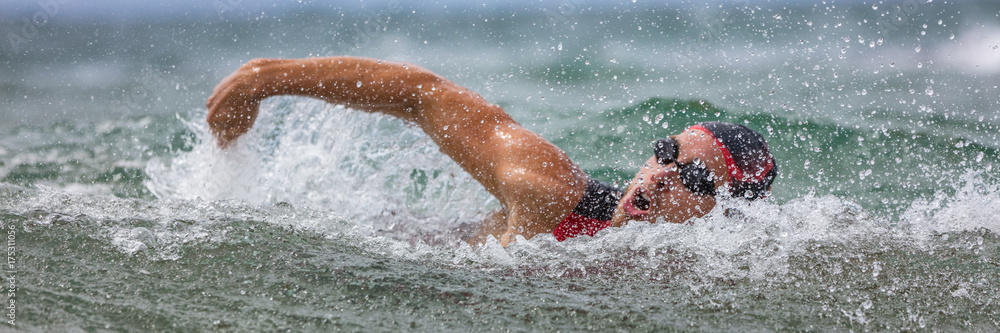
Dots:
(664, 173)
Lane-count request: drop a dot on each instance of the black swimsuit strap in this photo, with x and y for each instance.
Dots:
(599, 201)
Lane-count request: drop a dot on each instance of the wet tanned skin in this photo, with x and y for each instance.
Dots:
(536, 182)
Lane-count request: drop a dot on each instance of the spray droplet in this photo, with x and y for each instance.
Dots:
(359, 84)
(875, 7)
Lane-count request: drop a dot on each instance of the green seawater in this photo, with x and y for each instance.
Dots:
(121, 215)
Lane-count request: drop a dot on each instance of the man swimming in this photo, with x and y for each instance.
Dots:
(540, 189)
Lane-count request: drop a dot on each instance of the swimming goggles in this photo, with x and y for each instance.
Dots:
(695, 176)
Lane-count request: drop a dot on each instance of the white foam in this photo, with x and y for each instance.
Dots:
(974, 205)
(162, 228)
(364, 169)
(368, 167)
(749, 241)
(735, 240)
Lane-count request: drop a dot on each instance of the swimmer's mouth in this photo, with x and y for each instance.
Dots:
(638, 204)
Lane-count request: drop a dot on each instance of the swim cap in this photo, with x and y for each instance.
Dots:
(750, 164)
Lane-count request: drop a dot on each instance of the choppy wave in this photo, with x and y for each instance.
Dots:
(247, 234)
(735, 240)
(823, 253)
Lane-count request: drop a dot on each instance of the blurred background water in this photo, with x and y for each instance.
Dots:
(883, 117)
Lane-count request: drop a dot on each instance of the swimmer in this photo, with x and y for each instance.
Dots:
(540, 189)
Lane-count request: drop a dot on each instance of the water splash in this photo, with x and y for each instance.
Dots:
(387, 179)
(368, 167)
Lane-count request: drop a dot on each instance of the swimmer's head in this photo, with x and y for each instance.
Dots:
(749, 164)
(682, 178)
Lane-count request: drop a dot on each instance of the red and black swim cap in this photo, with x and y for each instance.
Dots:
(750, 164)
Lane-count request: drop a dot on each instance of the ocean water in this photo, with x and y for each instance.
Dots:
(122, 215)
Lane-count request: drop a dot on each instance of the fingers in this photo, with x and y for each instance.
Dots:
(219, 127)
(217, 118)
(234, 103)
(231, 117)
(231, 109)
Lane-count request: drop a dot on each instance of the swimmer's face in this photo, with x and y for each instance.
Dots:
(657, 192)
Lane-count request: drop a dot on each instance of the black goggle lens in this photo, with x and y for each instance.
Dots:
(665, 150)
(697, 179)
(694, 176)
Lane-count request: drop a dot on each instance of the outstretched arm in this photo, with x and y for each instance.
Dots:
(363, 84)
(534, 180)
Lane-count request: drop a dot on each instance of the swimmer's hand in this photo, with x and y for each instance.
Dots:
(233, 106)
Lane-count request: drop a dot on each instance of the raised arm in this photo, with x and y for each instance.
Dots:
(534, 180)
(363, 84)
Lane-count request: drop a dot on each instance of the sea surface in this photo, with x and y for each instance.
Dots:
(121, 214)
